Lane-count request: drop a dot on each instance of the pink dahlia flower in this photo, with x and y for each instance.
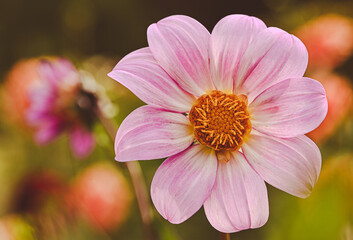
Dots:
(230, 110)
(57, 103)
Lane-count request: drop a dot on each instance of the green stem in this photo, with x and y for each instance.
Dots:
(138, 182)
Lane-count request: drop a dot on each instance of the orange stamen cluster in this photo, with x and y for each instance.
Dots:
(221, 121)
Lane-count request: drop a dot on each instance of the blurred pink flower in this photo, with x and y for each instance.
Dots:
(230, 110)
(102, 196)
(55, 106)
(329, 40)
(340, 99)
(46, 96)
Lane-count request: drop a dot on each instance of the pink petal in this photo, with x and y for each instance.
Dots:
(42, 101)
(229, 40)
(289, 108)
(53, 71)
(180, 45)
(272, 56)
(150, 133)
(140, 73)
(292, 164)
(183, 182)
(82, 141)
(48, 129)
(239, 197)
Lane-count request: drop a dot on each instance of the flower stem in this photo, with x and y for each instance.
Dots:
(138, 182)
(224, 236)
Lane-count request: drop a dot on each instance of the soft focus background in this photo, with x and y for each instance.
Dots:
(46, 192)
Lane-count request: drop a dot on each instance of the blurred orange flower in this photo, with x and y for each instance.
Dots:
(15, 90)
(102, 196)
(329, 40)
(340, 100)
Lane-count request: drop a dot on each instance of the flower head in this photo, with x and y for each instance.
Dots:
(50, 100)
(102, 196)
(229, 109)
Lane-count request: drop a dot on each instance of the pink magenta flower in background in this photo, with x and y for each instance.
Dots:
(229, 109)
(57, 103)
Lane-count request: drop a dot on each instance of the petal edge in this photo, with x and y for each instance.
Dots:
(183, 182)
(150, 133)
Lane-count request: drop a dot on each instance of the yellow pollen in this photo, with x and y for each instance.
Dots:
(221, 121)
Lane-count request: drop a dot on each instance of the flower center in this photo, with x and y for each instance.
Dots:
(220, 120)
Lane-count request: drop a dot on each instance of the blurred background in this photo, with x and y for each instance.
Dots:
(61, 181)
